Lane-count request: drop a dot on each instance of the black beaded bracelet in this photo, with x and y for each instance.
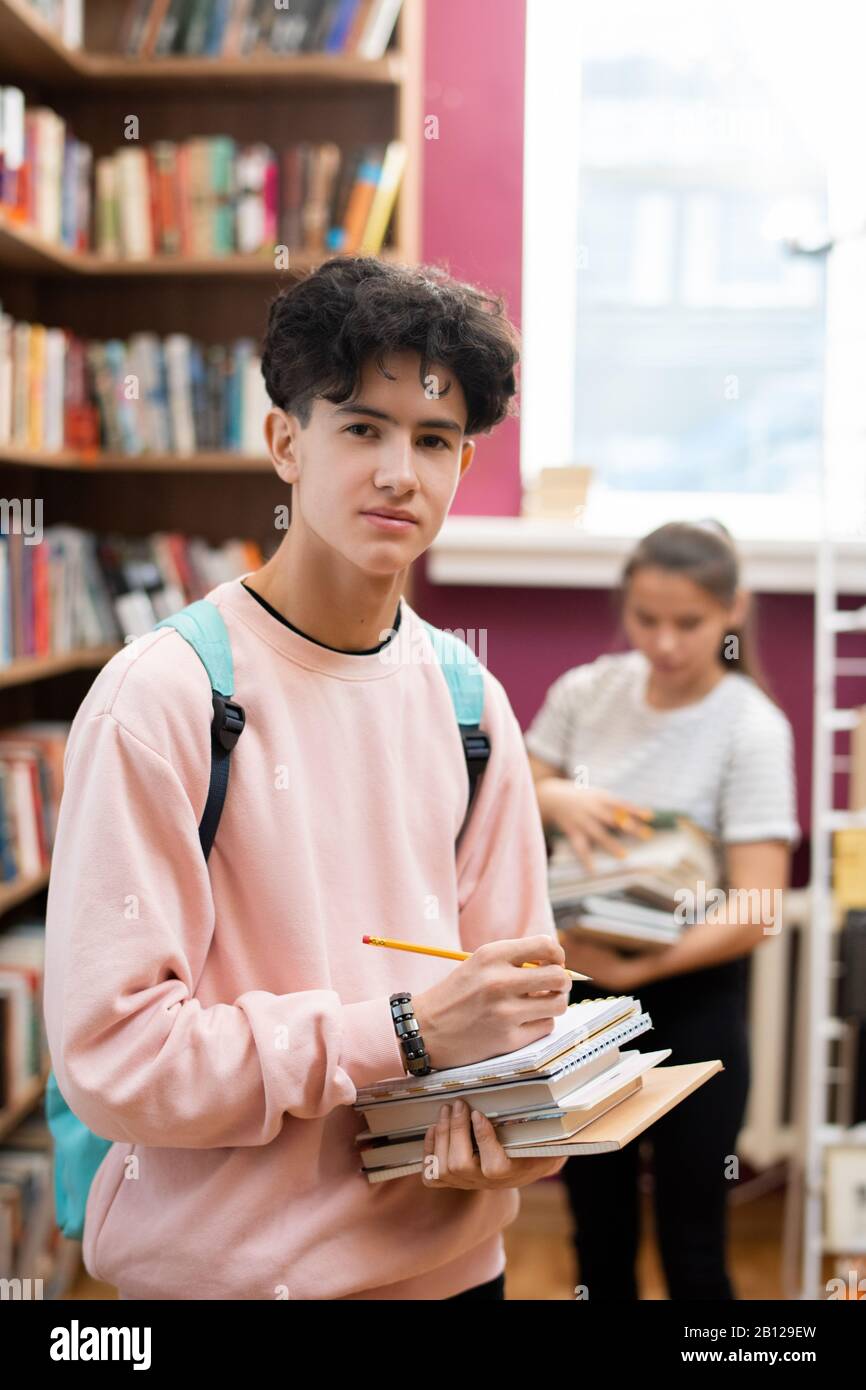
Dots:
(407, 1030)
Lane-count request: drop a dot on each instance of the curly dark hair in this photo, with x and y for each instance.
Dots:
(323, 327)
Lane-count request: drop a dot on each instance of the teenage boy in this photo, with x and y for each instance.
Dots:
(216, 1019)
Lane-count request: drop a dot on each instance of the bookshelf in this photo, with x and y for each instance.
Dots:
(39, 668)
(35, 52)
(311, 97)
(216, 461)
(317, 97)
(22, 249)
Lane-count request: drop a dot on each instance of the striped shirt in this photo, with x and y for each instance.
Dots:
(726, 761)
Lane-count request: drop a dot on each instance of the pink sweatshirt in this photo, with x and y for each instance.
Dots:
(217, 1022)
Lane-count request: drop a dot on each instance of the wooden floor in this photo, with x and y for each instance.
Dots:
(541, 1262)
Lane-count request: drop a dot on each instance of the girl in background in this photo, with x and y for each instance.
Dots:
(681, 722)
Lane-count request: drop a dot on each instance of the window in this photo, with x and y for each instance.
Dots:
(672, 342)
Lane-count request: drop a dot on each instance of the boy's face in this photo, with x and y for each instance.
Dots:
(392, 447)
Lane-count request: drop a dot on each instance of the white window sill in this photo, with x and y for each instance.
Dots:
(518, 552)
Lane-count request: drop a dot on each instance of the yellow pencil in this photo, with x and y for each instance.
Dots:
(451, 955)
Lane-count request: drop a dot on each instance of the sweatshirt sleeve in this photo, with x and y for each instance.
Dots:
(129, 924)
(502, 859)
(550, 736)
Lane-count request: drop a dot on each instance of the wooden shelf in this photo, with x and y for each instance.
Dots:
(305, 69)
(13, 1114)
(23, 249)
(34, 668)
(18, 890)
(217, 461)
(31, 49)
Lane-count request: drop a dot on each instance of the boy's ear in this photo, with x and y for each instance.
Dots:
(281, 431)
(467, 455)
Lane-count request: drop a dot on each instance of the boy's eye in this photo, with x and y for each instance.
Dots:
(434, 441)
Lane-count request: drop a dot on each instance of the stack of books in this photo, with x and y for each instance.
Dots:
(539, 1098)
(640, 902)
(257, 28)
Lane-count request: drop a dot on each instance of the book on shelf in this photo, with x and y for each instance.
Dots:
(23, 1041)
(211, 196)
(64, 17)
(45, 173)
(144, 396)
(635, 902)
(31, 783)
(257, 28)
(542, 1098)
(32, 1247)
(80, 590)
(204, 197)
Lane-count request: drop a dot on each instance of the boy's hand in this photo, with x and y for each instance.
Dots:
(489, 1004)
(449, 1160)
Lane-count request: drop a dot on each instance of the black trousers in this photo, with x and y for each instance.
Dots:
(494, 1288)
(700, 1016)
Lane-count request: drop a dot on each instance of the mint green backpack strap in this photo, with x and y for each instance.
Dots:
(464, 675)
(201, 624)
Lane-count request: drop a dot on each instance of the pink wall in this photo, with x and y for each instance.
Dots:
(472, 223)
(473, 189)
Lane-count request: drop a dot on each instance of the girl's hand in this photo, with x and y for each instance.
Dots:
(607, 967)
(588, 816)
(449, 1160)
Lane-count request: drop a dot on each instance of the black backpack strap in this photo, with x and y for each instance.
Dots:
(226, 728)
(476, 750)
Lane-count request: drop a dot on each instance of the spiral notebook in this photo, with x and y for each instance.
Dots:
(578, 1022)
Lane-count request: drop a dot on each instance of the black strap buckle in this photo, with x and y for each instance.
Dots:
(228, 722)
(477, 748)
